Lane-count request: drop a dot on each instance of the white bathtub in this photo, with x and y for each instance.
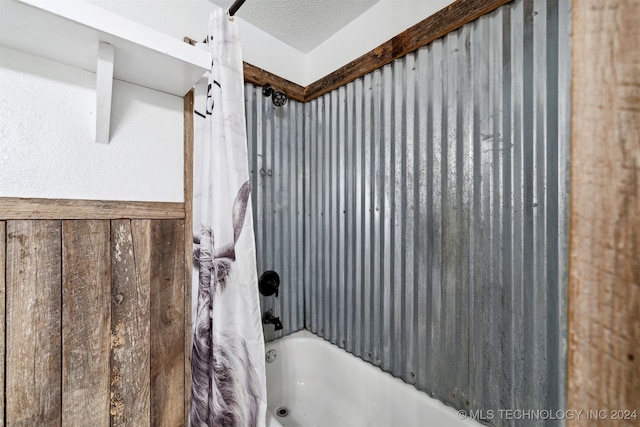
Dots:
(322, 385)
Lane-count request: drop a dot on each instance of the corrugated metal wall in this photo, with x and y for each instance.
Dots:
(418, 215)
(275, 148)
(435, 213)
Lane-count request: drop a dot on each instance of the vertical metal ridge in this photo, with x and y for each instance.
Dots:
(517, 311)
(564, 124)
(397, 192)
(408, 227)
(423, 315)
(356, 340)
(332, 220)
(350, 285)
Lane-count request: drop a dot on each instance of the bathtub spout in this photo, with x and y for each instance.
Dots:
(268, 317)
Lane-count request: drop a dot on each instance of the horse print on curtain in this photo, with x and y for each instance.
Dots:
(227, 362)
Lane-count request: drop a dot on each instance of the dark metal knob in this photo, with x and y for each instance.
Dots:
(269, 283)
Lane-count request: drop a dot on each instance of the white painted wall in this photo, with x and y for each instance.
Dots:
(47, 128)
(188, 18)
(47, 109)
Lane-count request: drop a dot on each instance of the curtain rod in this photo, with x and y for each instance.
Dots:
(235, 6)
(232, 11)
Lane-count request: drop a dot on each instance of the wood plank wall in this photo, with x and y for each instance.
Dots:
(92, 309)
(94, 322)
(604, 278)
(188, 239)
(130, 316)
(2, 314)
(33, 322)
(167, 324)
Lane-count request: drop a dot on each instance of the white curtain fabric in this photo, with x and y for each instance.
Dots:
(228, 373)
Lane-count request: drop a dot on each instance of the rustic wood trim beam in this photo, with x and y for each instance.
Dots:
(260, 77)
(604, 275)
(3, 317)
(435, 26)
(20, 208)
(188, 240)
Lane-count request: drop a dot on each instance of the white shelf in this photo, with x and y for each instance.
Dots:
(70, 31)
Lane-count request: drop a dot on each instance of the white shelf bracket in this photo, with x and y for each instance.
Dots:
(104, 89)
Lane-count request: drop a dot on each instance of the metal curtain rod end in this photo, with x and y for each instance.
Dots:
(235, 6)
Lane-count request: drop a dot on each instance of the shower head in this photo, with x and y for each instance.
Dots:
(278, 97)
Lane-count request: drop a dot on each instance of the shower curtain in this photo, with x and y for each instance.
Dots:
(228, 373)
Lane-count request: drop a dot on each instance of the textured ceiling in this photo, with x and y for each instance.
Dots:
(302, 24)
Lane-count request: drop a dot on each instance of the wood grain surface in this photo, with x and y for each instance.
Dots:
(130, 322)
(2, 314)
(260, 77)
(604, 277)
(188, 240)
(18, 208)
(33, 270)
(86, 323)
(79, 322)
(167, 323)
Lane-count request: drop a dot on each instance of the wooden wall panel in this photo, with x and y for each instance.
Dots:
(79, 325)
(33, 323)
(86, 320)
(130, 285)
(2, 313)
(167, 323)
(188, 240)
(98, 340)
(22, 208)
(604, 277)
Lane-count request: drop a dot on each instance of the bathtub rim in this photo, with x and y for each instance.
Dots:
(305, 335)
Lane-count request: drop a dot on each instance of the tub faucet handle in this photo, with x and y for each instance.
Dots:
(269, 283)
(268, 318)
